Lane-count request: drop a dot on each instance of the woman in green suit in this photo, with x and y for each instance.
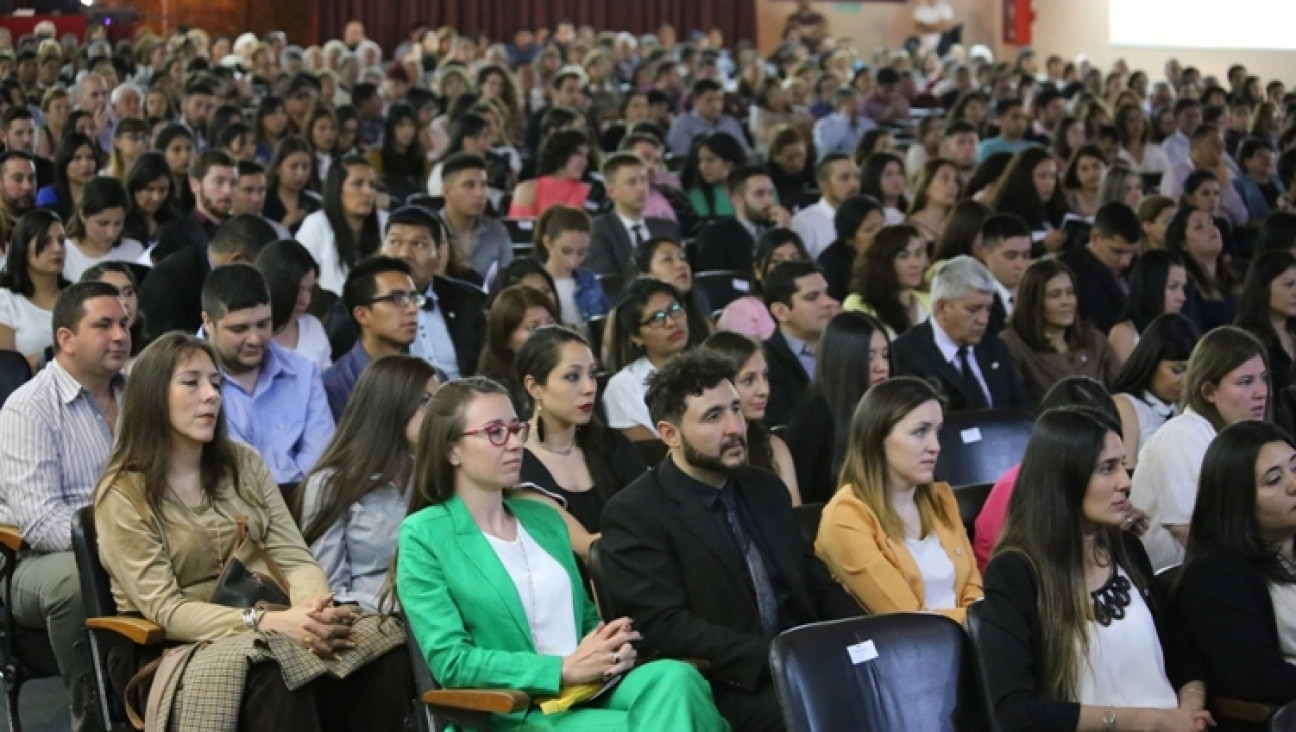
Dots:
(492, 592)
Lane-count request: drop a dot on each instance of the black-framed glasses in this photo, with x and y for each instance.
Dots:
(659, 318)
(498, 432)
(402, 298)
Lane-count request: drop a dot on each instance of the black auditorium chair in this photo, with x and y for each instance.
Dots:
(722, 286)
(978, 446)
(611, 284)
(15, 370)
(807, 519)
(900, 671)
(521, 231)
(973, 624)
(1284, 720)
(25, 653)
(596, 324)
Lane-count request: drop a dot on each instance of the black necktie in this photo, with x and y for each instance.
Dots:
(429, 302)
(639, 235)
(972, 386)
(766, 600)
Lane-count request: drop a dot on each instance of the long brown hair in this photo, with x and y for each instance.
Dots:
(143, 443)
(369, 449)
(1027, 319)
(864, 468)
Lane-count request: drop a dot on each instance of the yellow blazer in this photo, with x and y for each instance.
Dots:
(878, 570)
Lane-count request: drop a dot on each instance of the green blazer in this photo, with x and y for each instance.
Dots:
(463, 607)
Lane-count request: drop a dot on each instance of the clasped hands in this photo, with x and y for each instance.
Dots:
(321, 627)
(606, 652)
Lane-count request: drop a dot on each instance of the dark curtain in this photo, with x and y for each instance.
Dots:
(388, 21)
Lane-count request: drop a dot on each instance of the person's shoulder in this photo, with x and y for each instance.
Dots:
(431, 521)
(916, 337)
(294, 362)
(644, 492)
(1009, 568)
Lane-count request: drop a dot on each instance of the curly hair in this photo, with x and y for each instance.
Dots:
(687, 374)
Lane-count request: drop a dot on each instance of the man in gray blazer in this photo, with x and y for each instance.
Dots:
(617, 232)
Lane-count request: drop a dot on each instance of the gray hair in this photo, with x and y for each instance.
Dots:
(124, 89)
(960, 277)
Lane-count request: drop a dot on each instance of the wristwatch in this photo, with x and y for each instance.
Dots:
(251, 618)
(1109, 719)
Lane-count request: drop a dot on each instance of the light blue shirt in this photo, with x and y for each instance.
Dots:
(688, 126)
(802, 351)
(286, 418)
(994, 145)
(836, 134)
(356, 551)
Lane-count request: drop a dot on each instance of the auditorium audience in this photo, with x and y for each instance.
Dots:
(75, 162)
(121, 276)
(30, 284)
(1158, 285)
(480, 239)
(95, 231)
(1149, 386)
(664, 259)
(1121, 183)
(1100, 266)
(382, 301)
(288, 174)
(651, 328)
(560, 170)
(349, 227)
(291, 274)
(796, 294)
(1029, 189)
(1082, 180)
(1227, 381)
(1003, 245)
(882, 176)
(886, 280)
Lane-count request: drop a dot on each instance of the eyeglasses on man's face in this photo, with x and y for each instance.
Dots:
(402, 298)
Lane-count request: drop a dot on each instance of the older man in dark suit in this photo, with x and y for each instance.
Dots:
(617, 233)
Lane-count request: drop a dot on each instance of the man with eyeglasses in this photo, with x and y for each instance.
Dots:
(273, 398)
(383, 302)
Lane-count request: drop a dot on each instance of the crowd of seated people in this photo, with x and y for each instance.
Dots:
(503, 309)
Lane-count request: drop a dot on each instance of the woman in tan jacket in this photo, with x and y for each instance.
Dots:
(890, 535)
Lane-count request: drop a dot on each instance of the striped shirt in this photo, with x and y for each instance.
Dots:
(54, 443)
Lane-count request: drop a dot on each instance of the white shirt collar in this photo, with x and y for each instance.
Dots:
(946, 345)
(1005, 296)
(630, 224)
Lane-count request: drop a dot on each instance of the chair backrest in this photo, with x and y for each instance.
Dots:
(722, 286)
(807, 519)
(1284, 720)
(96, 587)
(611, 284)
(595, 326)
(978, 446)
(973, 625)
(903, 671)
(594, 567)
(970, 500)
(521, 231)
(14, 372)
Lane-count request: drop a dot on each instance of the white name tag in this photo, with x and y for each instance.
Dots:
(741, 285)
(971, 435)
(525, 224)
(862, 652)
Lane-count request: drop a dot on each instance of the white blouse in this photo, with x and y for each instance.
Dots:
(624, 399)
(544, 589)
(313, 342)
(567, 301)
(1151, 412)
(1283, 597)
(31, 325)
(1125, 666)
(76, 262)
(1165, 484)
(937, 571)
(316, 234)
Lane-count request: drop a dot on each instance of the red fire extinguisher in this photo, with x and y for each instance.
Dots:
(1018, 15)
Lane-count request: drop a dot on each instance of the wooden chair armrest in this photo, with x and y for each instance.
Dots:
(10, 537)
(495, 701)
(137, 630)
(1242, 711)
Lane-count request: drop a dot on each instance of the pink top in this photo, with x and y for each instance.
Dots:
(989, 523)
(658, 207)
(748, 316)
(550, 191)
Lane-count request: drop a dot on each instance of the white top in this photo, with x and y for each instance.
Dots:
(931, 15)
(1165, 484)
(567, 300)
(434, 186)
(915, 157)
(892, 216)
(1125, 666)
(544, 590)
(814, 224)
(1154, 159)
(316, 234)
(1005, 297)
(313, 342)
(31, 325)
(937, 572)
(76, 262)
(1152, 414)
(1284, 605)
(624, 399)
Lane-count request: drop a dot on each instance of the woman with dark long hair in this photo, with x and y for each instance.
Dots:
(886, 280)
(856, 222)
(288, 178)
(30, 284)
(515, 313)
(560, 170)
(1082, 180)
(1030, 189)
(151, 188)
(291, 274)
(75, 161)
(270, 125)
(751, 379)
(349, 227)
(883, 177)
(1151, 383)
(1267, 310)
(1195, 237)
(1072, 630)
(936, 190)
(471, 133)
(1158, 285)
(176, 142)
(401, 162)
(651, 327)
(710, 159)
(853, 356)
(95, 231)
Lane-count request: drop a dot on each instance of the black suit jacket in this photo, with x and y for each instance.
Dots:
(998, 316)
(725, 244)
(788, 380)
(462, 304)
(669, 563)
(171, 296)
(612, 249)
(185, 232)
(915, 354)
(1098, 292)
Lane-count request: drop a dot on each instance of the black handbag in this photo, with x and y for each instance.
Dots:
(241, 585)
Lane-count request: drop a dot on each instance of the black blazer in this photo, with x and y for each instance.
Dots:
(186, 232)
(998, 316)
(612, 249)
(668, 563)
(810, 438)
(915, 354)
(171, 296)
(725, 244)
(788, 380)
(1227, 617)
(1098, 292)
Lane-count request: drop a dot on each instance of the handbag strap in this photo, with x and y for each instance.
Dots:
(145, 673)
(271, 565)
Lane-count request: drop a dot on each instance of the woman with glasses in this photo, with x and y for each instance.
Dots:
(651, 326)
(465, 548)
(354, 499)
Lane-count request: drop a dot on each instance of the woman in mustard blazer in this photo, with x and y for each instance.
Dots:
(890, 535)
(492, 592)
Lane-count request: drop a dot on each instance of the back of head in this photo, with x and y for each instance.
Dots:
(1278, 232)
(243, 236)
(233, 287)
(1080, 391)
(1168, 337)
(1000, 227)
(852, 213)
(1115, 219)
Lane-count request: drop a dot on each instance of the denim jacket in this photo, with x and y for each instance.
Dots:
(590, 298)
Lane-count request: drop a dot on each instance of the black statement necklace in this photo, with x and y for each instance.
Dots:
(1110, 600)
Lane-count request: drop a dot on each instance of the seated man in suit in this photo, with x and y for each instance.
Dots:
(383, 302)
(616, 234)
(1100, 266)
(796, 294)
(953, 349)
(212, 178)
(1005, 250)
(171, 296)
(730, 243)
(749, 575)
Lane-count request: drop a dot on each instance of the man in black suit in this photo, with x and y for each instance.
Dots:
(1099, 267)
(617, 233)
(952, 348)
(1005, 250)
(212, 178)
(730, 243)
(796, 294)
(171, 295)
(749, 576)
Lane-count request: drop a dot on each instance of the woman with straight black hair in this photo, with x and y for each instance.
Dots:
(75, 161)
(1267, 310)
(349, 227)
(352, 503)
(1082, 181)
(883, 177)
(515, 313)
(1158, 284)
(288, 176)
(1151, 383)
(1073, 632)
(401, 162)
(1194, 236)
(572, 460)
(1277, 232)
(710, 159)
(962, 233)
(151, 188)
(854, 355)
(95, 230)
(651, 327)
(857, 222)
(1236, 595)
(270, 125)
(176, 142)
(291, 274)
(30, 284)
(748, 315)
(1030, 189)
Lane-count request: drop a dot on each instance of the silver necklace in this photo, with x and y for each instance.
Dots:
(531, 588)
